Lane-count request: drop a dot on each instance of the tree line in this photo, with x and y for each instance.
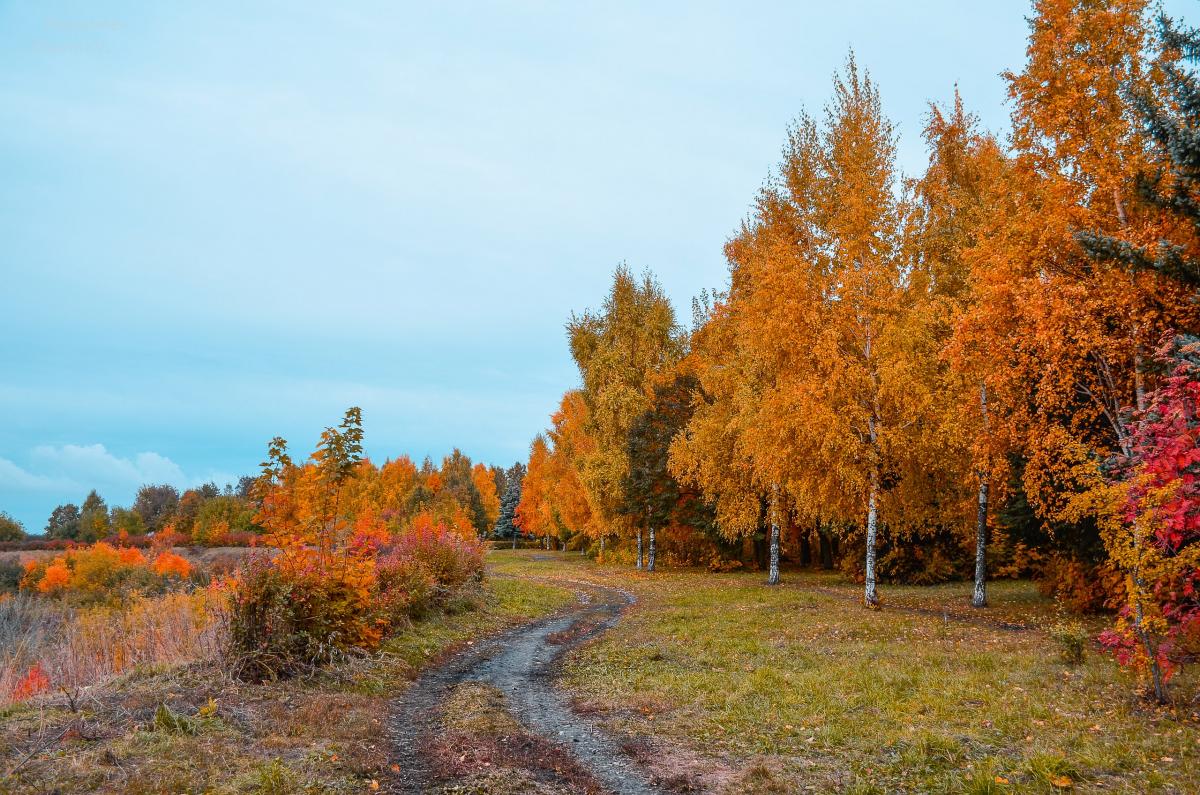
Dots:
(986, 369)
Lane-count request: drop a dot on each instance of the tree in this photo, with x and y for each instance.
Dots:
(93, 518)
(10, 528)
(953, 199)
(617, 349)
(156, 505)
(1171, 189)
(63, 522)
(485, 484)
(127, 521)
(1068, 335)
(1154, 534)
(829, 385)
(505, 524)
(570, 445)
(458, 482)
(534, 513)
(651, 493)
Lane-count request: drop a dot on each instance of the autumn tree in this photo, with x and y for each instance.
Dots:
(617, 349)
(93, 518)
(1154, 532)
(822, 316)
(954, 198)
(708, 453)
(534, 514)
(570, 446)
(1068, 337)
(651, 493)
(489, 500)
(156, 505)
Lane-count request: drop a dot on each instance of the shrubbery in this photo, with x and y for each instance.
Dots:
(348, 572)
(103, 573)
(300, 610)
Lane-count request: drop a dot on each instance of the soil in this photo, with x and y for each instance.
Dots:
(573, 754)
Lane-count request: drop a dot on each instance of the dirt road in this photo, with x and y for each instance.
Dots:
(547, 746)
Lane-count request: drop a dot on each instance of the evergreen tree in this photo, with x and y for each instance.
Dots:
(1172, 124)
(508, 503)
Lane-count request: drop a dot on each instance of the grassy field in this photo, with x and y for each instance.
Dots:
(193, 730)
(736, 687)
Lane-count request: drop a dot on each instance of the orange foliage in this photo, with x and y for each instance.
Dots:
(168, 564)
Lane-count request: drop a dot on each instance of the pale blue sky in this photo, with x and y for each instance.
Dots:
(220, 224)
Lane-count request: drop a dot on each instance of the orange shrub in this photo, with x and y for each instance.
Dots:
(103, 573)
(168, 564)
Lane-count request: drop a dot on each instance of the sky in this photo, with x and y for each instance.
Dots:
(222, 222)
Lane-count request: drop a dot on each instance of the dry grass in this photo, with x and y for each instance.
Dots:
(319, 734)
(81, 648)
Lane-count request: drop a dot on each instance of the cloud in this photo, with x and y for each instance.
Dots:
(95, 465)
(14, 478)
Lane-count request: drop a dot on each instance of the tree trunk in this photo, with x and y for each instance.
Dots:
(825, 544)
(602, 539)
(653, 551)
(979, 599)
(870, 595)
(773, 570)
(639, 550)
(805, 549)
(514, 538)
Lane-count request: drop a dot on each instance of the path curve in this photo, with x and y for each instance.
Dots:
(523, 664)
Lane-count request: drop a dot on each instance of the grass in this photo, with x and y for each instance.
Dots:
(799, 688)
(190, 729)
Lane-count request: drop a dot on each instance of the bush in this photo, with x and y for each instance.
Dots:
(1072, 638)
(290, 615)
(103, 574)
(304, 609)
(10, 575)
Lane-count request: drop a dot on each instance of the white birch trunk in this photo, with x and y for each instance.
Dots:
(653, 551)
(639, 550)
(979, 598)
(773, 566)
(870, 595)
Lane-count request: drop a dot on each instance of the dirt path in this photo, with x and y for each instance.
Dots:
(522, 665)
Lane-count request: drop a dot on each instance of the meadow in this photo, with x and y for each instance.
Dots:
(722, 684)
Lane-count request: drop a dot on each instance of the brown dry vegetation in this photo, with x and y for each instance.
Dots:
(195, 729)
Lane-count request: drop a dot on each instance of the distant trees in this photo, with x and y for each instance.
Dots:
(63, 522)
(10, 528)
(156, 505)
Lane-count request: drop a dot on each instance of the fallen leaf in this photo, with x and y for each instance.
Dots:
(1061, 782)
(1001, 780)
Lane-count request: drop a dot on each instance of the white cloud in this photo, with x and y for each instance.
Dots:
(13, 477)
(94, 464)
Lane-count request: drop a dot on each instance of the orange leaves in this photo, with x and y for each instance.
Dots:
(35, 681)
(168, 564)
(56, 577)
(102, 573)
